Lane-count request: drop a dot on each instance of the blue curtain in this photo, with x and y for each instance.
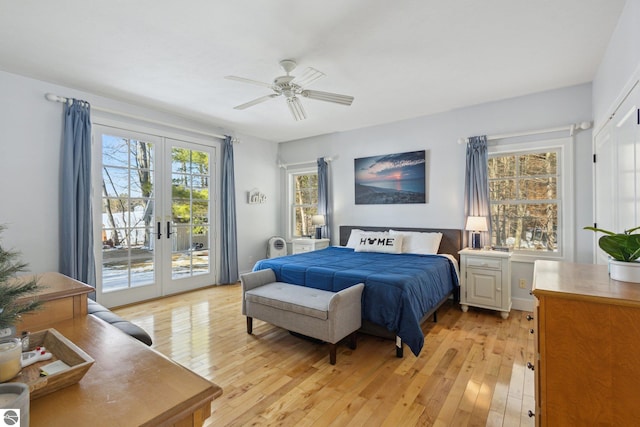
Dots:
(324, 197)
(76, 223)
(476, 192)
(229, 240)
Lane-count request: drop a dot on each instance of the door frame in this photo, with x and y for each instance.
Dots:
(116, 298)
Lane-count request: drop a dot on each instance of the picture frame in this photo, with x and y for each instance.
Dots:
(398, 178)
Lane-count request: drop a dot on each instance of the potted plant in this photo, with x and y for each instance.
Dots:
(624, 249)
(13, 304)
(11, 290)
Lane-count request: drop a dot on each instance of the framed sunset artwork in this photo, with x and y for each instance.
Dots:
(391, 179)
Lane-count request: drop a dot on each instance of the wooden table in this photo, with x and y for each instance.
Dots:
(63, 298)
(129, 384)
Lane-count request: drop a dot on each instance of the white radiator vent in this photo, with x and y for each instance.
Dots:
(276, 247)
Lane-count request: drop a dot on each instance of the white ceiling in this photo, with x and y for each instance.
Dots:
(399, 59)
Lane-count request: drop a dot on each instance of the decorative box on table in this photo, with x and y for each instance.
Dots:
(62, 349)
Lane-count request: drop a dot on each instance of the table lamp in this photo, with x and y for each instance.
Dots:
(476, 224)
(318, 221)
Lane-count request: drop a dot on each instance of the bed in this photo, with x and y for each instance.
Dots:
(401, 290)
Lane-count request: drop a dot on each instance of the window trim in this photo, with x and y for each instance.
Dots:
(291, 173)
(566, 217)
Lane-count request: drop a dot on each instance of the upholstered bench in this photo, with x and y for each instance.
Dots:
(323, 315)
(101, 312)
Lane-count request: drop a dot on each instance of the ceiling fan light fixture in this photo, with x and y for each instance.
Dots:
(291, 88)
(296, 108)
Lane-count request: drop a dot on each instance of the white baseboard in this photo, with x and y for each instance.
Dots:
(523, 304)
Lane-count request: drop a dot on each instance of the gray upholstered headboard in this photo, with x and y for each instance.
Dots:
(451, 238)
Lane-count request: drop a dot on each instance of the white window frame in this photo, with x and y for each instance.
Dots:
(291, 174)
(565, 197)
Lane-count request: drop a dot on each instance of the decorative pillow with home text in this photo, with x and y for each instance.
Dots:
(379, 242)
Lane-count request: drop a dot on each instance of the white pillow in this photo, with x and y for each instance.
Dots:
(379, 242)
(414, 242)
(354, 238)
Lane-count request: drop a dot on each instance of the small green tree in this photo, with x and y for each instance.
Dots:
(12, 291)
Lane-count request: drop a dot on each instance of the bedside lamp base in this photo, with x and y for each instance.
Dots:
(475, 240)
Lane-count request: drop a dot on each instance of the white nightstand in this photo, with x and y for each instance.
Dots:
(307, 245)
(485, 280)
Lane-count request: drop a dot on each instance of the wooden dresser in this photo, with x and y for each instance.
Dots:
(587, 332)
(62, 297)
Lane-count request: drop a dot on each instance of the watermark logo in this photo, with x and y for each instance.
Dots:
(9, 417)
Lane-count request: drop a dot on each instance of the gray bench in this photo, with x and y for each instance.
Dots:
(323, 315)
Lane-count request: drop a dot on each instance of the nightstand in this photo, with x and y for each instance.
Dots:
(485, 280)
(300, 246)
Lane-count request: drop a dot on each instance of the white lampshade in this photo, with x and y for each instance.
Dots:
(476, 223)
(317, 220)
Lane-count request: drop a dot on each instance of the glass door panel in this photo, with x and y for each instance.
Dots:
(128, 267)
(190, 224)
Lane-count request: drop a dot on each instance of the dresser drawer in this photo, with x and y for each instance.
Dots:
(483, 262)
(303, 247)
(309, 245)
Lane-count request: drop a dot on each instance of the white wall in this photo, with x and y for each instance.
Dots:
(438, 134)
(620, 66)
(255, 167)
(30, 135)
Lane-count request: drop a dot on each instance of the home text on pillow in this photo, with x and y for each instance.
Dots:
(379, 242)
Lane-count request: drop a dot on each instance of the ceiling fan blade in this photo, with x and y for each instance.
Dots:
(328, 97)
(309, 76)
(253, 82)
(255, 101)
(295, 106)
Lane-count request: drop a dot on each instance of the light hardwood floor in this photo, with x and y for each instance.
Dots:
(471, 370)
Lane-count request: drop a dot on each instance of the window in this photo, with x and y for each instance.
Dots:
(304, 202)
(526, 189)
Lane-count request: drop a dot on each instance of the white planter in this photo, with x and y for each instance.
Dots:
(624, 271)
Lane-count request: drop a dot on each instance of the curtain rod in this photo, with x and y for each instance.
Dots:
(286, 165)
(56, 98)
(572, 128)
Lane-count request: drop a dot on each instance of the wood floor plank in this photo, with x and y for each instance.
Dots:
(471, 371)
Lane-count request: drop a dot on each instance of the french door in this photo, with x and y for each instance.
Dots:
(616, 171)
(154, 196)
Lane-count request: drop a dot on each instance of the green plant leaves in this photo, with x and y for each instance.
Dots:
(622, 247)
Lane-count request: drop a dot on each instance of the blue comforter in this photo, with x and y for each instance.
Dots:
(399, 288)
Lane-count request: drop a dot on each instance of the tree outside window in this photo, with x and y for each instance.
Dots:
(305, 203)
(525, 200)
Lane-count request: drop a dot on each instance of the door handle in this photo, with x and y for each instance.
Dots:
(169, 233)
(159, 230)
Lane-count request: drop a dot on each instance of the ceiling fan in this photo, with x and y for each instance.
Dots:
(292, 88)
